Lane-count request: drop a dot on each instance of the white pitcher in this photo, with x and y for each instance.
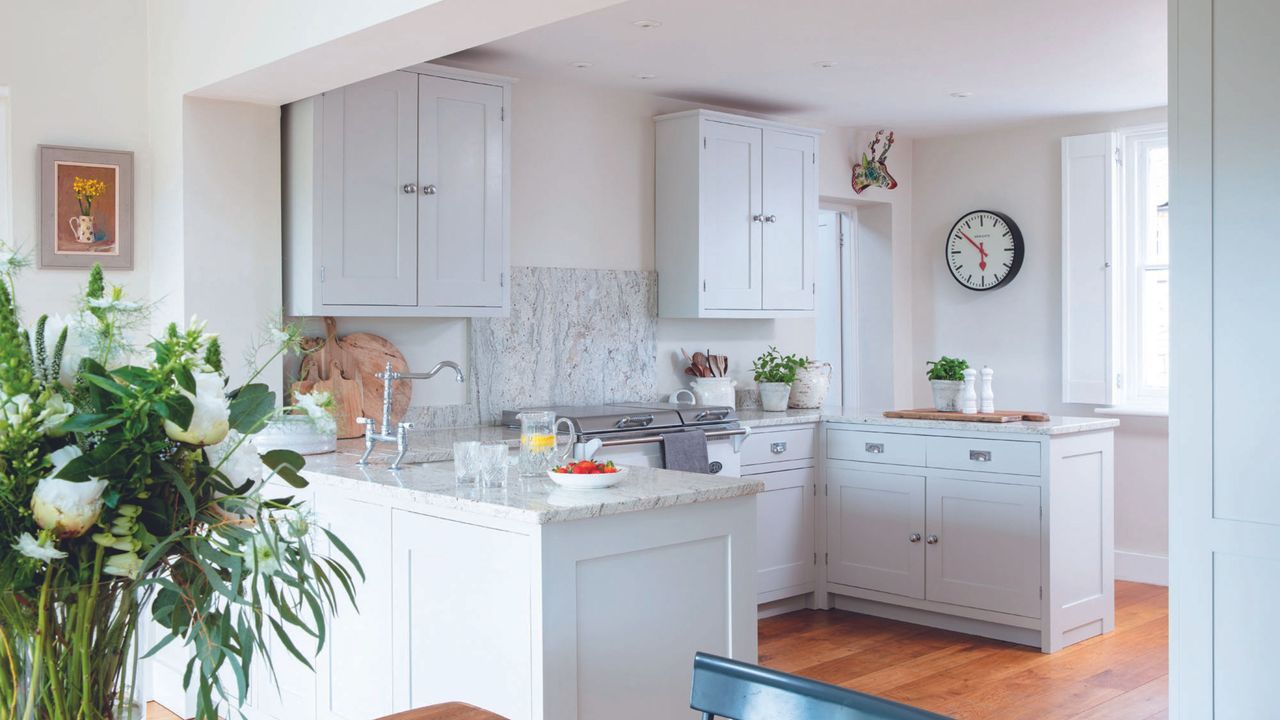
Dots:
(82, 226)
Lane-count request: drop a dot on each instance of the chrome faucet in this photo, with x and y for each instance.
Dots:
(401, 437)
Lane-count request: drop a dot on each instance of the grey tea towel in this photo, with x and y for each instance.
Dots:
(686, 451)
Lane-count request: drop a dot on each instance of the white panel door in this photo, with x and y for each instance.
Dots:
(1088, 228)
(731, 221)
(875, 523)
(354, 675)
(785, 530)
(790, 220)
(1224, 504)
(984, 545)
(460, 211)
(369, 199)
(468, 642)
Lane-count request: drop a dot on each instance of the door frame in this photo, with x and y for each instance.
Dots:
(850, 383)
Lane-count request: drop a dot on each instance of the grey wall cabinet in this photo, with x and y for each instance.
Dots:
(396, 197)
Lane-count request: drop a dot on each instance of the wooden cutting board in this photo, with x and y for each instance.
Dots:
(346, 394)
(999, 416)
(361, 356)
(364, 356)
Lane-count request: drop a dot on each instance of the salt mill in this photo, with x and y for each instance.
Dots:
(969, 397)
(988, 397)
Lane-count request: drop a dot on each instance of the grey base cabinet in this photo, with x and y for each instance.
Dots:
(396, 197)
(1008, 538)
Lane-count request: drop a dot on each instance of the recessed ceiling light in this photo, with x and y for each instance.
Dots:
(645, 76)
(580, 64)
(646, 24)
(961, 94)
(825, 64)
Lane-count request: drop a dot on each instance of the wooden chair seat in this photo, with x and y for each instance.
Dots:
(446, 711)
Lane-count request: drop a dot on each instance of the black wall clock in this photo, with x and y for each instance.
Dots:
(984, 250)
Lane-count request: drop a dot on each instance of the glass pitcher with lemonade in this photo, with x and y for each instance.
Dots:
(538, 449)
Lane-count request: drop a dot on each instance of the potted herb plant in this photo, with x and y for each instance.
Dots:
(774, 372)
(946, 374)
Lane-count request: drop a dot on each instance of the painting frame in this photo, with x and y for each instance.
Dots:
(67, 240)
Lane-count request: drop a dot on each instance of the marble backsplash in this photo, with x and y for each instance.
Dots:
(574, 337)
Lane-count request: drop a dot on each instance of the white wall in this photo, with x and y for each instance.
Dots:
(76, 70)
(232, 233)
(1017, 329)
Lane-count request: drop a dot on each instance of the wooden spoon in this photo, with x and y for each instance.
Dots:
(700, 362)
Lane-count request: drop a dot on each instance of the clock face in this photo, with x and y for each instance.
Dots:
(984, 250)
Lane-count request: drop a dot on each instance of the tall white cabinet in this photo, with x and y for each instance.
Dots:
(736, 203)
(396, 196)
(1224, 502)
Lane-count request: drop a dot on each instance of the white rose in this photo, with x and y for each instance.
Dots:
(32, 548)
(242, 465)
(56, 412)
(65, 507)
(127, 565)
(209, 421)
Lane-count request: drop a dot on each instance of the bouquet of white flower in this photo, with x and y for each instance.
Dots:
(126, 486)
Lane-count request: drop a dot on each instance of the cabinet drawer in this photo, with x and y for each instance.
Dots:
(778, 446)
(998, 456)
(876, 447)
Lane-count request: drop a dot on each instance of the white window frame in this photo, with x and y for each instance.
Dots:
(1132, 145)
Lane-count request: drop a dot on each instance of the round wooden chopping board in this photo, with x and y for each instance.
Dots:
(365, 355)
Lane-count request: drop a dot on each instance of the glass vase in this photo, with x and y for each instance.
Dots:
(68, 651)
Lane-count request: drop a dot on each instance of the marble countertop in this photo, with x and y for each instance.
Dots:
(1056, 425)
(537, 501)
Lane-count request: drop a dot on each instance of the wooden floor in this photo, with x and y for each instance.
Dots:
(1120, 676)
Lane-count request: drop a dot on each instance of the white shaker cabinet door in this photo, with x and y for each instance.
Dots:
(466, 642)
(784, 526)
(369, 193)
(730, 212)
(354, 674)
(790, 220)
(460, 210)
(984, 545)
(875, 523)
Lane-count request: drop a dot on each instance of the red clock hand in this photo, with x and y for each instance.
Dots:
(982, 261)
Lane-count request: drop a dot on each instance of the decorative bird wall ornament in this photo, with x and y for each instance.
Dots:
(872, 171)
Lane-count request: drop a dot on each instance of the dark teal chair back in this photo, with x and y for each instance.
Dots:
(734, 690)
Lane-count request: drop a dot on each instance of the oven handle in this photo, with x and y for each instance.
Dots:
(737, 435)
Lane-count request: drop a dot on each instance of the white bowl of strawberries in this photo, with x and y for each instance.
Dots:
(586, 474)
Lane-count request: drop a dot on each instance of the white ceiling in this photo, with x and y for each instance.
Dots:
(897, 61)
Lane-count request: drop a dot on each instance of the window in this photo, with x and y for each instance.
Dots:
(1115, 268)
(1143, 280)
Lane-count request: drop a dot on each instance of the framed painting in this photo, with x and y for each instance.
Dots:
(86, 208)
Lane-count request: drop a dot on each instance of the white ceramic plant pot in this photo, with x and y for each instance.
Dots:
(946, 394)
(811, 385)
(714, 390)
(774, 396)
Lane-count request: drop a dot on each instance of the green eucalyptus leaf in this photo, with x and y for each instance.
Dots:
(286, 464)
(251, 407)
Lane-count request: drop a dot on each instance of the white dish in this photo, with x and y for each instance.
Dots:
(587, 482)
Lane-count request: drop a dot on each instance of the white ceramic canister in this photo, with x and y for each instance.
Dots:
(715, 391)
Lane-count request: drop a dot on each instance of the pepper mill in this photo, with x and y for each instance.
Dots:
(988, 404)
(969, 397)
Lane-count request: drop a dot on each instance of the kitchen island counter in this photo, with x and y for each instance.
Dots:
(532, 500)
